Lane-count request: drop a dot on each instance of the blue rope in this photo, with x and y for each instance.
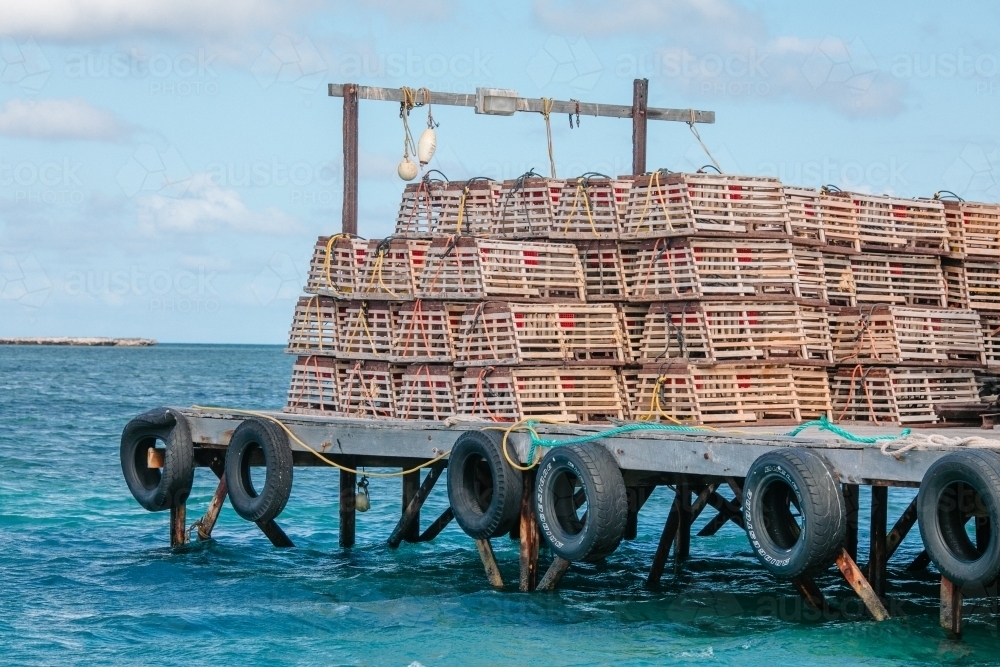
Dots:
(825, 424)
(822, 423)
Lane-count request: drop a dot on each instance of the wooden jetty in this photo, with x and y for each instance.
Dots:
(556, 364)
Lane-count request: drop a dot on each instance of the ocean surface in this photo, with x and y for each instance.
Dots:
(87, 576)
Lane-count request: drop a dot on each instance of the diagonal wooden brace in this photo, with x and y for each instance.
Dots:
(852, 573)
(553, 575)
(411, 514)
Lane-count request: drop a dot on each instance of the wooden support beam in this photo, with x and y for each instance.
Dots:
(274, 533)
(529, 534)
(921, 562)
(437, 526)
(207, 523)
(666, 539)
(701, 500)
(852, 573)
(810, 592)
(640, 102)
(728, 510)
(529, 104)
(852, 501)
(408, 527)
(348, 509)
(682, 541)
(901, 529)
(411, 487)
(178, 527)
(877, 552)
(982, 532)
(349, 212)
(489, 563)
(637, 497)
(951, 609)
(553, 575)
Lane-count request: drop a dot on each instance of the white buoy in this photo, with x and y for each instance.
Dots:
(407, 169)
(362, 502)
(426, 146)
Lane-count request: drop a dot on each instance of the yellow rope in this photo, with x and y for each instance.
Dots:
(318, 455)
(377, 274)
(326, 260)
(654, 180)
(546, 110)
(586, 202)
(461, 210)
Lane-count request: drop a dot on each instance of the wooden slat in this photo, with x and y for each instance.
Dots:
(314, 386)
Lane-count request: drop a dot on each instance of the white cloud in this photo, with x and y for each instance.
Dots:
(207, 208)
(717, 47)
(61, 119)
(81, 20)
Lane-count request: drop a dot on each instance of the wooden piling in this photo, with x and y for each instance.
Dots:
(666, 539)
(637, 497)
(810, 592)
(852, 573)
(878, 552)
(274, 533)
(489, 563)
(553, 575)
(951, 609)
(682, 541)
(852, 499)
(729, 510)
(348, 507)
(411, 486)
(178, 527)
(901, 529)
(207, 523)
(529, 535)
(408, 527)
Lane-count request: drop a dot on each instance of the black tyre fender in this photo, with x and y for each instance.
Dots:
(943, 513)
(777, 483)
(250, 436)
(598, 531)
(158, 489)
(484, 490)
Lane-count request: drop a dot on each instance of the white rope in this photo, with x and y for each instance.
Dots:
(924, 440)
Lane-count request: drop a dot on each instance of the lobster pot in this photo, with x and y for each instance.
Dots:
(633, 322)
(451, 270)
(912, 280)
(816, 324)
(314, 326)
(804, 215)
(367, 388)
(603, 270)
(501, 333)
(333, 269)
(568, 394)
(425, 391)
(682, 204)
(588, 208)
(420, 209)
(365, 329)
(423, 331)
(839, 216)
(628, 382)
(669, 269)
(899, 395)
(483, 269)
(314, 388)
(715, 332)
(812, 277)
(891, 223)
(487, 392)
(729, 393)
(982, 280)
(973, 228)
(467, 208)
(901, 335)
(391, 267)
(840, 287)
(526, 207)
(956, 287)
(990, 326)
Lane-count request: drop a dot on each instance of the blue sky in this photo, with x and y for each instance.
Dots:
(165, 168)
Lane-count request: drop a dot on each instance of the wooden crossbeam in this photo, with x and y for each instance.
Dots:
(529, 104)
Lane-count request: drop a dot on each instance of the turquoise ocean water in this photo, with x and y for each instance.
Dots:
(86, 576)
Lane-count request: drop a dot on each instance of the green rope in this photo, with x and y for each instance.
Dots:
(822, 423)
(825, 424)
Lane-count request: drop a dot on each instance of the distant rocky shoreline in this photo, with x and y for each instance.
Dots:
(83, 342)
